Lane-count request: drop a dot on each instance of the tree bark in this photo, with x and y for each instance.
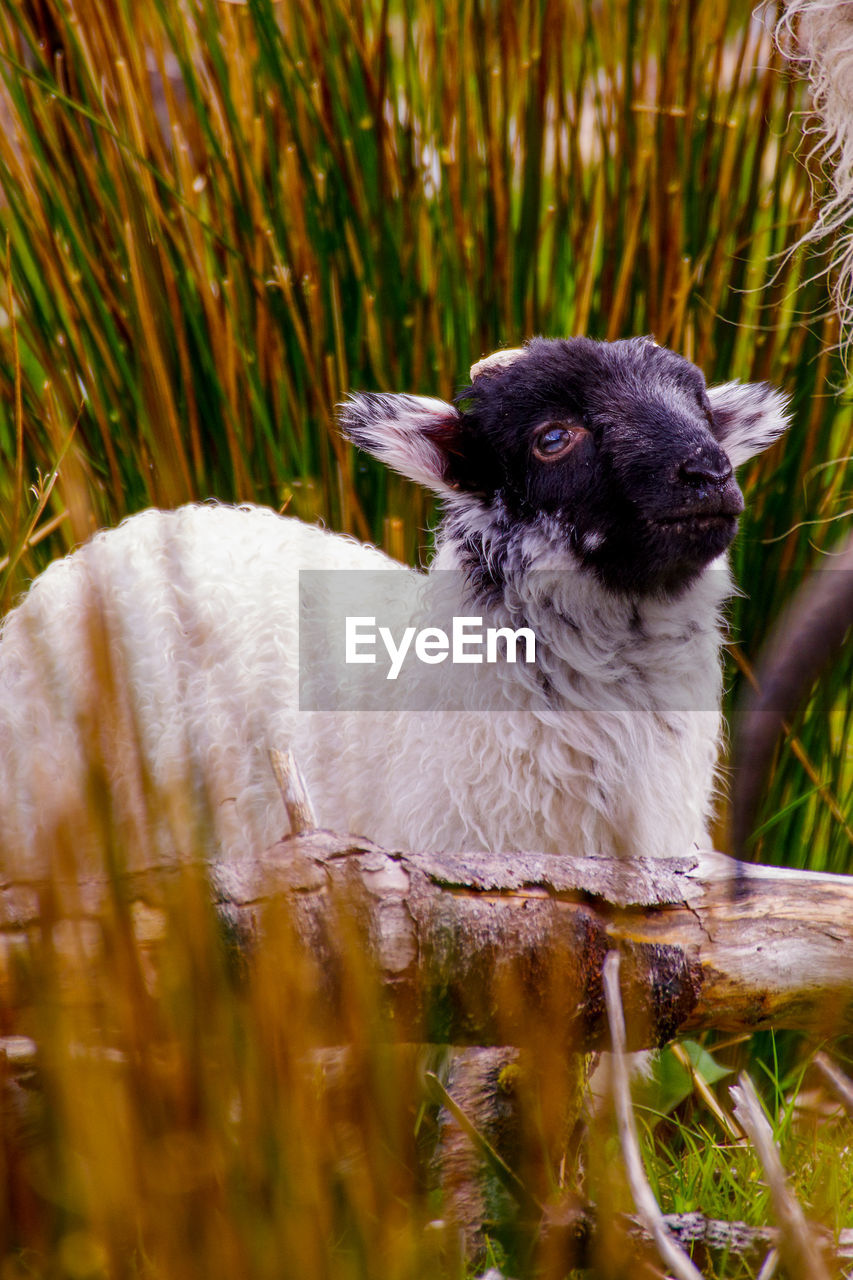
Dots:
(491, 949)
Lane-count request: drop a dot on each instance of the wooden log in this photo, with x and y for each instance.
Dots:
(475, 948)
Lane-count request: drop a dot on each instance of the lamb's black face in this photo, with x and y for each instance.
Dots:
(615, 442)
(615, 453)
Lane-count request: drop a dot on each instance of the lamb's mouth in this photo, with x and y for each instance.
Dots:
(695, 520)
(704, 512)
(697, 533)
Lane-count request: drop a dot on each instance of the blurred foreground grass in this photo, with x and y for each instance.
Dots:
(221, 217)
(181, 1119)
(177, 1098)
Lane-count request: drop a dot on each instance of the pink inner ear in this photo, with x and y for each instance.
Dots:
(444, 433)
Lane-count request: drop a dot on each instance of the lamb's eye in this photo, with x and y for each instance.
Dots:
(556, 439)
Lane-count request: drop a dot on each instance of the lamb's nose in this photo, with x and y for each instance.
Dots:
(706, 469)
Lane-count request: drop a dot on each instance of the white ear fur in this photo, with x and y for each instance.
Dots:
(749, 416)
(401, 431)
(497, 360)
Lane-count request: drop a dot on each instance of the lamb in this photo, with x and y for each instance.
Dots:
(588, 495)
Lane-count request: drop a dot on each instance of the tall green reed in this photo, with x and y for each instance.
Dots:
(221, 217)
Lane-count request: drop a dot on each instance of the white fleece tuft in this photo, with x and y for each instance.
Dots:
(818, 34)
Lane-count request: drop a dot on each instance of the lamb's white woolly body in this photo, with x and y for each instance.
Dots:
(201, 609)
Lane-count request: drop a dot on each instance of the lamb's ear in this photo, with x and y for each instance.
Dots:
(748, 417)
(415, 435)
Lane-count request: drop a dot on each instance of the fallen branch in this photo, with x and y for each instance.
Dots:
(473, 948)
(581, 1235)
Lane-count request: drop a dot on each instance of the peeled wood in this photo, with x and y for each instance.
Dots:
(294, 793)
(708, 942)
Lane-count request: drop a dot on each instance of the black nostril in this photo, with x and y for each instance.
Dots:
(704, 470)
